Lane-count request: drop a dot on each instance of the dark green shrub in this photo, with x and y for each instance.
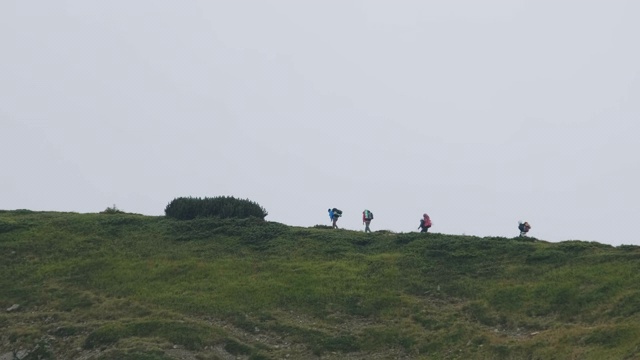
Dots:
(187, 208)
(112, 210)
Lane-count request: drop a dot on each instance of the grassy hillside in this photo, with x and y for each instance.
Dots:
(125, 286)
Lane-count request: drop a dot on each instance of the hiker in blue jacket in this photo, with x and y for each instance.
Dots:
(334, 214)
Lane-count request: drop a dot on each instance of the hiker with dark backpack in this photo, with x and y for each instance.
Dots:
(334, 214)
(425, 223)
(524, 228)
(367, 216)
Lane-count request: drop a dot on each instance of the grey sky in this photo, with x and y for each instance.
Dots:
(478, 113)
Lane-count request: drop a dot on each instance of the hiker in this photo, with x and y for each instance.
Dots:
(425, 223)
(524, 228)
(334, 214)
(367, 216)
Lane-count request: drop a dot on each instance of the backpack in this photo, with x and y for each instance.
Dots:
(521, 226)
(428, 222)
(337, 212)
(368, 215)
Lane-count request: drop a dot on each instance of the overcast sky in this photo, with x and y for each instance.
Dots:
(480, 113)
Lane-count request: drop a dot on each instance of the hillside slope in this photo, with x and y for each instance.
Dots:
(126, 286)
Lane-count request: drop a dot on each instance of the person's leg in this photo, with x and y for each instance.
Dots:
(335, 220)
(366, 229)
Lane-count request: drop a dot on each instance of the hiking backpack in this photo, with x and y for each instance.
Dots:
(337, 212)
(368, 215)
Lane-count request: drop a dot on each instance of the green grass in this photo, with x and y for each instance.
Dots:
(133, 286)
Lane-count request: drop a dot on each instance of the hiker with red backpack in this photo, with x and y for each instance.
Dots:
(367, 216)
(425, 223)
